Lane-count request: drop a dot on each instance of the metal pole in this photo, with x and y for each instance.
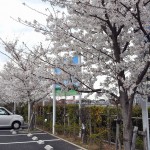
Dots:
(80, 113)
(14, 108)
(80, 95)
(145, 120)
(54, 108)
(65, 114)
(43, 103)
(29, 111)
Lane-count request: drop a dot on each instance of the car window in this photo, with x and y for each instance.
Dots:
(3, 112)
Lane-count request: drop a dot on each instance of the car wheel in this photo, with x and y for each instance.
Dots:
(16, 125)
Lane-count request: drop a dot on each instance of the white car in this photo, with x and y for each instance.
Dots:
(8, 119)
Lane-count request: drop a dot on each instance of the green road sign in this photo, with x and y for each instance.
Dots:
(59, 92)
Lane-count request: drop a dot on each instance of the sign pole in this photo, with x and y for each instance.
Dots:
(80, 95)
(54, 108)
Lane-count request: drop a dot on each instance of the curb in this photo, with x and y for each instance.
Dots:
(81, 148)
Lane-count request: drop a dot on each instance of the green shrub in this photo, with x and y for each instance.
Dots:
(39, 120)
(139, 143)
(59, 129)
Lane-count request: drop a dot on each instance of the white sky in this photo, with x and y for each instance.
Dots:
(10, 29)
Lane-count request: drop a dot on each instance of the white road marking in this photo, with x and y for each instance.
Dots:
(4, 130)
(29, 142)
(22, 134)
(35, 138)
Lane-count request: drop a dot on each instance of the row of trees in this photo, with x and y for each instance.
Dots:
(112, 38)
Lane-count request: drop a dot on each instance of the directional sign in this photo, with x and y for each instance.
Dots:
(59, 92)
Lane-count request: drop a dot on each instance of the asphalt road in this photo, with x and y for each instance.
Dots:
(21, 141)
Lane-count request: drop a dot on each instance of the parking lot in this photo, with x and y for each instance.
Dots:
(38, 140)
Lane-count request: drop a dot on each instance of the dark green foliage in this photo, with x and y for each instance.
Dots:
(73, 113)
(39, 120)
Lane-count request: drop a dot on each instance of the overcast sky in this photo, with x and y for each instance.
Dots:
(10, 29)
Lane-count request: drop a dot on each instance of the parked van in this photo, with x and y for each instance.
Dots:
(8, 119)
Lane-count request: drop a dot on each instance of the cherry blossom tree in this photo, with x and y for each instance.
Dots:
(3, 96)
(112, 37)
(20, 79)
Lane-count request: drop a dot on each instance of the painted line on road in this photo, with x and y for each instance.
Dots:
(29, 142)
(4, 130)
(25, 131)
(22, 134)
(32, 133)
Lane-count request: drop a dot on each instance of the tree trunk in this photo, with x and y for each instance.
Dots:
(126, 108)
(31, 117)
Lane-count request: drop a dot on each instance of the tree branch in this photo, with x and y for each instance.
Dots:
(125, 47)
